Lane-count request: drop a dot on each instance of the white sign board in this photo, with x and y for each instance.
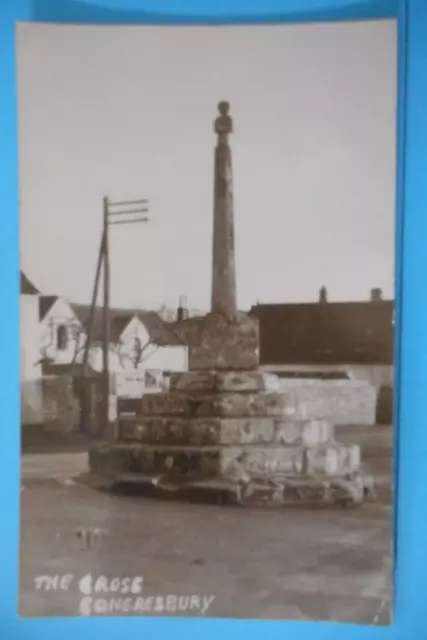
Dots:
(130, 384)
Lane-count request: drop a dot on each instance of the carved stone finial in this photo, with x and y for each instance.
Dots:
(224, 107)
(224, 123)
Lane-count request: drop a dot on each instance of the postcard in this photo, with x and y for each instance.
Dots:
(207, 243)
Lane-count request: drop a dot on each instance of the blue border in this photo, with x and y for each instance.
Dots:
(411, 312)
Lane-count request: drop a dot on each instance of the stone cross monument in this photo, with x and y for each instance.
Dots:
(224, 426)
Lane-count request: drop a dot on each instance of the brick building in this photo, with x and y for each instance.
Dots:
(329, 339)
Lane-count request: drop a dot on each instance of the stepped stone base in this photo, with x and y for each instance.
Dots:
(233, 462)
(235, 434)
(209, 431)
(223, 405)
(252, 475)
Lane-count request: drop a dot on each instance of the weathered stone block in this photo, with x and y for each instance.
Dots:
(218, 342)
(244, 404)
(110, 458)
(260, 461)
(246, 382)
(176, 462)
(197, 462)
(191, 382)
(332, 459)
(303, 432)
(246, 430)
(166, 404)
(216, 405)
(199, 431)
(211, 431)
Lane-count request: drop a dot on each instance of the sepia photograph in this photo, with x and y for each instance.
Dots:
(207, 284)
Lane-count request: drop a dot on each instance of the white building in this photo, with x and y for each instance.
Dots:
(143, 350)
(61, 333)
(31, 390)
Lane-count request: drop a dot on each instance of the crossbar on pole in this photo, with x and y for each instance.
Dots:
(129, 221)
(127, 202)
(121, 213)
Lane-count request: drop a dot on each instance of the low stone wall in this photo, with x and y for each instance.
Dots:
(341, 402)
(31, 402)
(71, 404)
(61, 408)
(70, 415)
(89, 391)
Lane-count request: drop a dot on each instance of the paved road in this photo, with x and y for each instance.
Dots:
(52, 466)
(298, 564)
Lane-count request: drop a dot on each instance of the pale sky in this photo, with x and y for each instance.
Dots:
(128, 112)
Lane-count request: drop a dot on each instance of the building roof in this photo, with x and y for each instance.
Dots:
(161, 333)
(45, 305)
(27, 287)
(326, 333)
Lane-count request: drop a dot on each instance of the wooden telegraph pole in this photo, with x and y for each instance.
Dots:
(106, 316)
(93, 306)
(112, 213)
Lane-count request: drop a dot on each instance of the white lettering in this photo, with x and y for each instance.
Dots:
(128, 605)
(136, 586)
(85, 606)
(115, 605)
(159, 606)
(65, 582)
(207, 601)
(101, 585)
(183, 603)
(100, 606)
(42, 582)
(139, 605)
(195, 602)
(53, 583)
(126, 583)
(115, 585)
(86, 584)
(89, 585)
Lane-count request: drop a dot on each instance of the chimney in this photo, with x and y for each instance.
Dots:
(182, 312)
(376, 295)
(323, 295)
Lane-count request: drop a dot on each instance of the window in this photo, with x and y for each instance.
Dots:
(61, 337)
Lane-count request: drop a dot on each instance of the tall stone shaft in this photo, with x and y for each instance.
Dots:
(224, 297)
